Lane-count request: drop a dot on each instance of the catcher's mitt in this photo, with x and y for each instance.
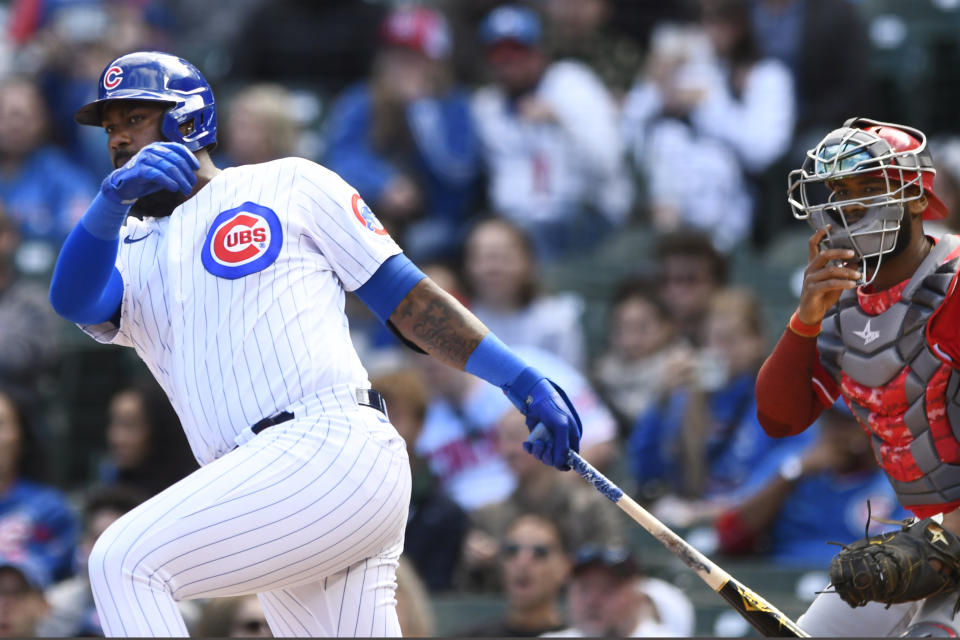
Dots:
(918, 561)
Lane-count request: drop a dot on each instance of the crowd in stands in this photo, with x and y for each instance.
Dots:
(500, 142)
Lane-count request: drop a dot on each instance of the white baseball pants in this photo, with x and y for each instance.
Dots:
(309, 515)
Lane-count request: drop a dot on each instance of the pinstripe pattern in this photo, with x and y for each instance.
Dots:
(230, 352)
(309, 514)
(324, 495)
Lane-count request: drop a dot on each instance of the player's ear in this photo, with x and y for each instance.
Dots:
(918, 206)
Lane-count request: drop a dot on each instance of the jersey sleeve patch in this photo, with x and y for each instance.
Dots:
(365, 216)
(241, 241)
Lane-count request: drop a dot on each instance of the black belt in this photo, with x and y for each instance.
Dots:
(365, 397)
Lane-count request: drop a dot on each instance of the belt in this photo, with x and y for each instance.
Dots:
(365, 397)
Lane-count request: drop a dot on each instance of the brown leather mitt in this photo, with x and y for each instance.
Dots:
(918, 561)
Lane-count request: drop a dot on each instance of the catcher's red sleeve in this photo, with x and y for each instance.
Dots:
(792, 387)
(942, 334)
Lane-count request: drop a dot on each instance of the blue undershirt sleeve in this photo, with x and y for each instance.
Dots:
(389, 285)
(87, 287)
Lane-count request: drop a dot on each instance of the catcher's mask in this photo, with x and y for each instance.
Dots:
(897, 160)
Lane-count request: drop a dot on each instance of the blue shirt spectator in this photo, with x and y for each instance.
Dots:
(735, 442)
(809, 492)
(800, 533)
(43, 191)
(37, 520)
(406, 140)
(46, 195)
(699, 443)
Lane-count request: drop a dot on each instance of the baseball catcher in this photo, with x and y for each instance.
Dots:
(876, 324)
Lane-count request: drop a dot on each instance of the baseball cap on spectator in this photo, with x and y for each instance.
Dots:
(34, 573)
(513, 23)
(419, 28)
(619, 560)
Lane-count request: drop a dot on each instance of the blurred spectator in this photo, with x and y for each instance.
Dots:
(458, 440)
(535, 565)
(675, 612)
(22, 604)
(781, 511)
(690, 271)
(324, 45)
(752, 106)
(642, 340)
(583, 30)
(42, 190)
(459, 437)
(946, 153)
(35, 519)
(550, 139)
(146, 448)
(259, 127)
(234, 617)
(405, 139)
(436, 525)
(413, 602)
(503, 285)
(66, 44)
(607, 598)
(707, 115)
(583, 511)
(29, 328)
(824, 44)
(702, 440)
(72, 611)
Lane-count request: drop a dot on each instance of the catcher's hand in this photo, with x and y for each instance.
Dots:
(918, 561)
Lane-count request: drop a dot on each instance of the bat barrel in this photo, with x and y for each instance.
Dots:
(765, 618)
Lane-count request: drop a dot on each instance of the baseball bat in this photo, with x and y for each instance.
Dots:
(764, 617)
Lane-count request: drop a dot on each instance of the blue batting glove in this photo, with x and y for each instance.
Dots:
(555, 427)
(159, 165)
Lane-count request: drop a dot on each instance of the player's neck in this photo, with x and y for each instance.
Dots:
(904, 264)
(207, 171)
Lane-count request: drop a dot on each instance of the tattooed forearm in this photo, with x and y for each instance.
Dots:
(438, 324)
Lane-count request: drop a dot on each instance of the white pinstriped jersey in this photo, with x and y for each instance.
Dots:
(236, 301)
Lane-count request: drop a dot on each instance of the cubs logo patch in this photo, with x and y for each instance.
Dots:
(365, 215)
(113, 77)
(241, 241)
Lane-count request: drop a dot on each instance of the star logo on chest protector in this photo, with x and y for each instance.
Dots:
(867, 334)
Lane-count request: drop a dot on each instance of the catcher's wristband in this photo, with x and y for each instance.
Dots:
(803, 329)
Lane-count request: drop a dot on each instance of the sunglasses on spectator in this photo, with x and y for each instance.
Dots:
(538, 551)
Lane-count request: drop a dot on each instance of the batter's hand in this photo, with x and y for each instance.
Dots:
(555, 427)
(159, 165)
(827, 275)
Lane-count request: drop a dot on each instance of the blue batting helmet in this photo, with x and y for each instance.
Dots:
(159, 77)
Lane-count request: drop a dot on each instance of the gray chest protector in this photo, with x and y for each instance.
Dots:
(875, 351)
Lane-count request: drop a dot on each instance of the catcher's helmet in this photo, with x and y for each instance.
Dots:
(896, 154)
(159, 77)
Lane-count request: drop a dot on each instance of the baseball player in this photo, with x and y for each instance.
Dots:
(876, 323)
(230, 286)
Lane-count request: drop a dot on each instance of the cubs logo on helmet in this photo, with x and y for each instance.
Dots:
(241, 241)
(112, 77)
(365, 216)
